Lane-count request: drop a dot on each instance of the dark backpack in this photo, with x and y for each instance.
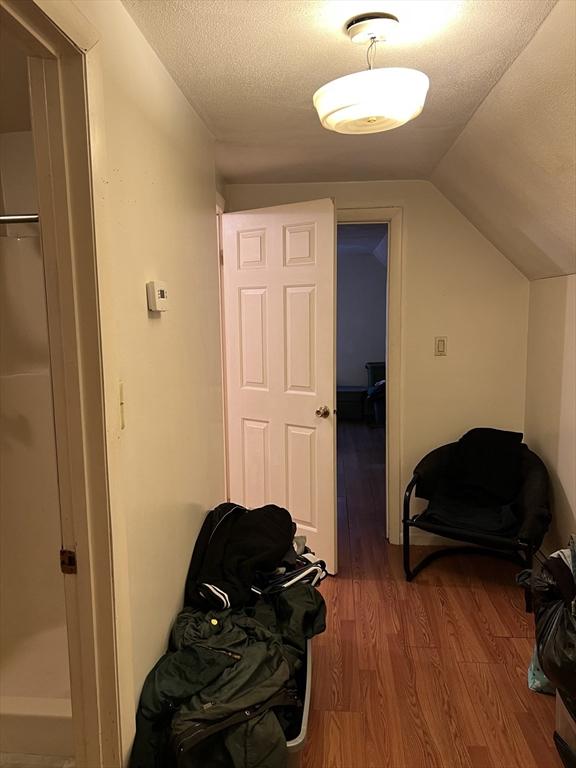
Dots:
(234, 545)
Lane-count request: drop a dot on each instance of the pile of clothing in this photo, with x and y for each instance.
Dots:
(228, 692)
(553, 665)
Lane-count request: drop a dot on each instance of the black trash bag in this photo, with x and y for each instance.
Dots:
(554, 591)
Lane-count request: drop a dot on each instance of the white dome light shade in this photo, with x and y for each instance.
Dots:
(372, 101)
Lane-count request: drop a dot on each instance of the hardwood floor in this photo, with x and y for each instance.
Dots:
(430, 674)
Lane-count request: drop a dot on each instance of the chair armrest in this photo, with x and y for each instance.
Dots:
(407, 496)
(534, 499)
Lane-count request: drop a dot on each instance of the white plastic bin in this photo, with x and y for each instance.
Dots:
(296, 745)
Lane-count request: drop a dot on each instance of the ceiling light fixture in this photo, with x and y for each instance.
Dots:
(374, 100)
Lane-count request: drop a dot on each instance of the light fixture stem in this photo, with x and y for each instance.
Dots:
(371, 52)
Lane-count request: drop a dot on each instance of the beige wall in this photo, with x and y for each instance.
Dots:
(456, 285)
(156, 220)
(511, 171)
(551, 395)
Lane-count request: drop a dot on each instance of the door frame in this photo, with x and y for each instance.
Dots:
(61, 45)
(220, 205)
(394, 370)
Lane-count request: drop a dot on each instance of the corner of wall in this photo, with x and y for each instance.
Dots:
(550, 410)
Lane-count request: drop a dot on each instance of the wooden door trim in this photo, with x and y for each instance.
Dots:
(220, 257)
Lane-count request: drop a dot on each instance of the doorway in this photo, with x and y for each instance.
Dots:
(253, 241)
(362, 277)
(35, 696)
(62, 694)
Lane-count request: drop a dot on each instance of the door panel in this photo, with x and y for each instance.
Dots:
(301, 475)
(256, 462)
(300, 338)
(253, 338)
(279, 318)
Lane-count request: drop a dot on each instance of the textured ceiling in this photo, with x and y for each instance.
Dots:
(250, 68)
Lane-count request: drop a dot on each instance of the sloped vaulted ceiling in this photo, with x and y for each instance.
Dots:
(512, 169)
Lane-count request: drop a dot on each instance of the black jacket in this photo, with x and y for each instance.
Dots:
(214, 695)
(235, 544)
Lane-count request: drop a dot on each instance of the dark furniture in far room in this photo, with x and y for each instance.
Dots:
(350, 403)
(488, 489)
(376, 372)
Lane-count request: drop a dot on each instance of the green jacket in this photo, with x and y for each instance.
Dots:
(212, 700)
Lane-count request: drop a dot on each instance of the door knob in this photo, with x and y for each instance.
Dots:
(323, 411)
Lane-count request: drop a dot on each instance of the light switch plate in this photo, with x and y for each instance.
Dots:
(441, 346)
(157, 293)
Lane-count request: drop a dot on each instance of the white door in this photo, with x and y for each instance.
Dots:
(279, 326)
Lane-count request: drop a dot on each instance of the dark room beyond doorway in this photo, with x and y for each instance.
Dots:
(361, 368)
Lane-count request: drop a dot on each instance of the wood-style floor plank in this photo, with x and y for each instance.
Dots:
(430, 674)
(350, 748)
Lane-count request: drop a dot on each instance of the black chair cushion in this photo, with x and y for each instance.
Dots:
(500, 520)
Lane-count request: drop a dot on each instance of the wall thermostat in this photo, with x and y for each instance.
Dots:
(157, 293)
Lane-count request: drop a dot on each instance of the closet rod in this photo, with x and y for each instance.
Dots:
(19, 218)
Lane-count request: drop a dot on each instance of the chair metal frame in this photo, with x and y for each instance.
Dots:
(512, 549)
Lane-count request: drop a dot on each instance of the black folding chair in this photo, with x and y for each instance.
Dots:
(529, 511)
